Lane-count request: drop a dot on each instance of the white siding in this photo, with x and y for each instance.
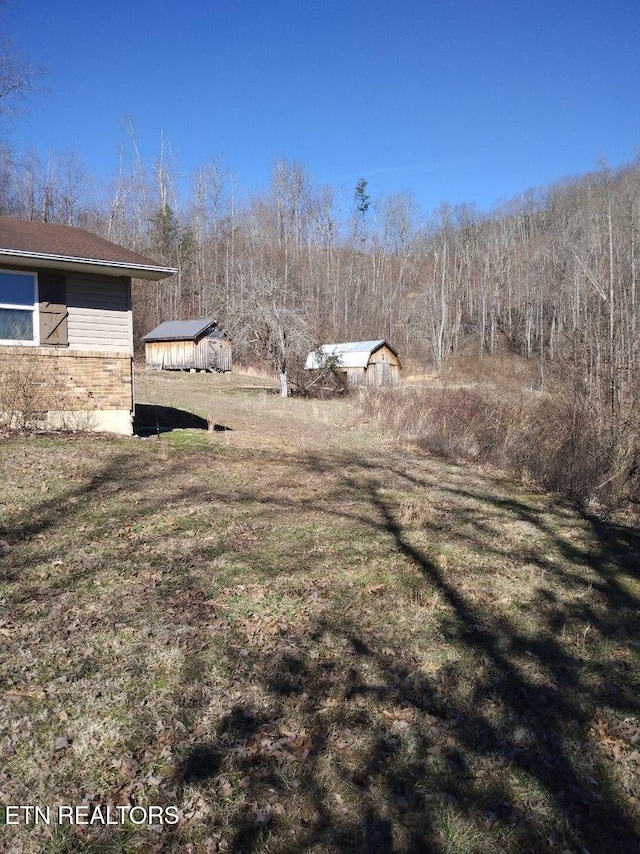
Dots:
(99, 314)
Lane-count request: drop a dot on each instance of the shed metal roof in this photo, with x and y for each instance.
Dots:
(25, 243)
(352, 354)
(180, 330)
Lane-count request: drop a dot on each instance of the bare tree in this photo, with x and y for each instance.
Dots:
(18, 77)
(274, 329)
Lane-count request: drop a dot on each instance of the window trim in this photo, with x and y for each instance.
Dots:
(23, 342)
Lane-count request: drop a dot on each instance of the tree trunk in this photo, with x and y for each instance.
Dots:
(284, 387)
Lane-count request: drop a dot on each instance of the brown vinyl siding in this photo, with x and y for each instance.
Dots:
(99, 314)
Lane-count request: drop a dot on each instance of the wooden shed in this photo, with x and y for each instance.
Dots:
(188, 345)
(365, 363)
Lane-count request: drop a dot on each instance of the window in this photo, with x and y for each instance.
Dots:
(18, 308)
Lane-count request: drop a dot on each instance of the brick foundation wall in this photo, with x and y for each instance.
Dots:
(47, 380)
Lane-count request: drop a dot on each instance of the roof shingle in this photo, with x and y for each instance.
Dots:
(47, 242)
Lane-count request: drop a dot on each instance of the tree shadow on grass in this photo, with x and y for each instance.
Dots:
(495, 750)
(335, 737)
(537, 715)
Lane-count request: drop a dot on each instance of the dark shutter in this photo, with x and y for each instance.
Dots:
(53, 310)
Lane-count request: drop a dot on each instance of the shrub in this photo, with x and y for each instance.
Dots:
(22, 403)
(30, 388)
(564, 439)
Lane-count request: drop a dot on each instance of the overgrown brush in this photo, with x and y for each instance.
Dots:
(22, 392)
(563, 439)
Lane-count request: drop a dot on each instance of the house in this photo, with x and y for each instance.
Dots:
(188, 345)
(66, 335)
(365, 363)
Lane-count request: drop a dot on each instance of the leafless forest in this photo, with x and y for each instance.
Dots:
(545, 286)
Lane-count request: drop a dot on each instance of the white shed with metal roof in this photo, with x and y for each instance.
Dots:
(365, 363)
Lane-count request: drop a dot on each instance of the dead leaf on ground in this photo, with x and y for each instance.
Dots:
(431, 666)
(376, 589)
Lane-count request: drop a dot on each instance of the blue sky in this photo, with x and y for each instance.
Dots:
(452, 100)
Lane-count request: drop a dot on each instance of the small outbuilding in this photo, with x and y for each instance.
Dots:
(188, 345)
(365, 363)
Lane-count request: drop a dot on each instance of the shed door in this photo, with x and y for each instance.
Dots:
(378, 374)
(212, 354)
(53, 310)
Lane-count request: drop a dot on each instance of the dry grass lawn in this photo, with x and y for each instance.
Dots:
(307, 639)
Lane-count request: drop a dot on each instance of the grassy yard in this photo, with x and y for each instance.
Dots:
(307, 639)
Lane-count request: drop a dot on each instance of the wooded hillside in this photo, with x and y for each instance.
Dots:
(550, 275)
(550, 279)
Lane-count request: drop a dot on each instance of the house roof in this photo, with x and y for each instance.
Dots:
(352, 354)
(180, 330)
(43, 244)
